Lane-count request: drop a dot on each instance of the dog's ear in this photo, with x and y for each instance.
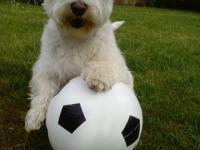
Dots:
(116, 25)
(48, 5)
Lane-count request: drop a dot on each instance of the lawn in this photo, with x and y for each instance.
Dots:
(162, 48)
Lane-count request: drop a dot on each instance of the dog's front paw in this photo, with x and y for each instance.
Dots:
(98, 78)
(98, 82)
(98, 85)
(34, 120)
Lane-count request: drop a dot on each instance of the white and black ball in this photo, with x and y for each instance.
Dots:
(79, 118)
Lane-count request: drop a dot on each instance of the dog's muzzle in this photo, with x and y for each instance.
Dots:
(78, 8)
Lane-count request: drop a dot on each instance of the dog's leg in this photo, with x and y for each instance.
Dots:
(102, 75)
(97, 76)
(43, 88)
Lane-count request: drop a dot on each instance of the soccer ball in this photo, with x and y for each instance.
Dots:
(79, 118)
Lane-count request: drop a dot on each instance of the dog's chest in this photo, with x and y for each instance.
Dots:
(70, 60)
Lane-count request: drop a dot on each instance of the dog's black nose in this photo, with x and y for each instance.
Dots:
(78, 8)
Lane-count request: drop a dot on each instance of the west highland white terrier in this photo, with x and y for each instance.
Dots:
(78, 40)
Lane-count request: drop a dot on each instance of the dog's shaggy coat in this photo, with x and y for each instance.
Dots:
(67, 51)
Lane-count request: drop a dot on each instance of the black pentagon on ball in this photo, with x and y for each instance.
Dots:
(71, 117)
(131, 130)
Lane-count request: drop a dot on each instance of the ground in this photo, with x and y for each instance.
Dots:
(162, 48)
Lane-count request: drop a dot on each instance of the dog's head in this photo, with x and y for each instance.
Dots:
(79, 17)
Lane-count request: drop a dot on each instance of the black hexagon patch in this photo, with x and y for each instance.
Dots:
(71, 117)
(131, 130)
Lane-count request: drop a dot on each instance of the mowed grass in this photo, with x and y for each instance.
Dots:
(162, 49)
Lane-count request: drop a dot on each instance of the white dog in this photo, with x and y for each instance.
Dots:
(78, 40)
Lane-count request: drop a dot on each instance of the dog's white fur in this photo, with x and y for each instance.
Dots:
(66, 52)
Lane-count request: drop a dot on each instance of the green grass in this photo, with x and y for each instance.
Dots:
(162, 48)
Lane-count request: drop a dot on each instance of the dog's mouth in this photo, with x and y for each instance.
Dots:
(77, 22)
